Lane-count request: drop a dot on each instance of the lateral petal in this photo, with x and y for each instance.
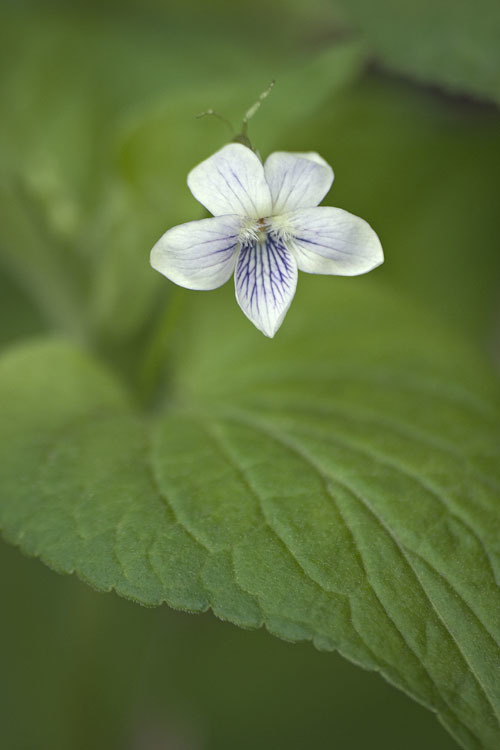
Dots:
(199, 254)
(330, 240)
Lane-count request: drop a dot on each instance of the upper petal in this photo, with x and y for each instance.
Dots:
(199, 254)
(265, 281)
(232, 181)
(297, 180)
(333, 241)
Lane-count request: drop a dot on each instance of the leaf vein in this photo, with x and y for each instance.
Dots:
(264, 427)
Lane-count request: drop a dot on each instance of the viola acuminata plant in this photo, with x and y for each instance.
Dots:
(267, 225)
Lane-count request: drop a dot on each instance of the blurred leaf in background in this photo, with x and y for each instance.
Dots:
(340, 483)
(97, 671)
(451, 43)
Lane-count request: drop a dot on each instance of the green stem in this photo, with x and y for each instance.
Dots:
(153, 367)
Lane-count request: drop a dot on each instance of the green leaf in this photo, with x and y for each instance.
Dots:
(338, 484)
(447, 43)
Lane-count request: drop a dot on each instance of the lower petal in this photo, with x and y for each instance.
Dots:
(265, 281)
(330, 240)
(199, 254)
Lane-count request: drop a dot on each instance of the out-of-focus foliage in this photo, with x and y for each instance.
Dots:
(153, 442)
(98, 671)
(450, 43)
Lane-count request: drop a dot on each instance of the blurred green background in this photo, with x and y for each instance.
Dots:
(97, 134)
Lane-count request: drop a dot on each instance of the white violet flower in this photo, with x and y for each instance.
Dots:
(266, 225)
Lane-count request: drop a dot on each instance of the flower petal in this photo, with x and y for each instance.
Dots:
(232, 181)
(333, 241)
(265, 281)
(199, 254)
(297, 180)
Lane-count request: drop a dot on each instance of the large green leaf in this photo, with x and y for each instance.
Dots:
(449, 43)
(337, 484)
